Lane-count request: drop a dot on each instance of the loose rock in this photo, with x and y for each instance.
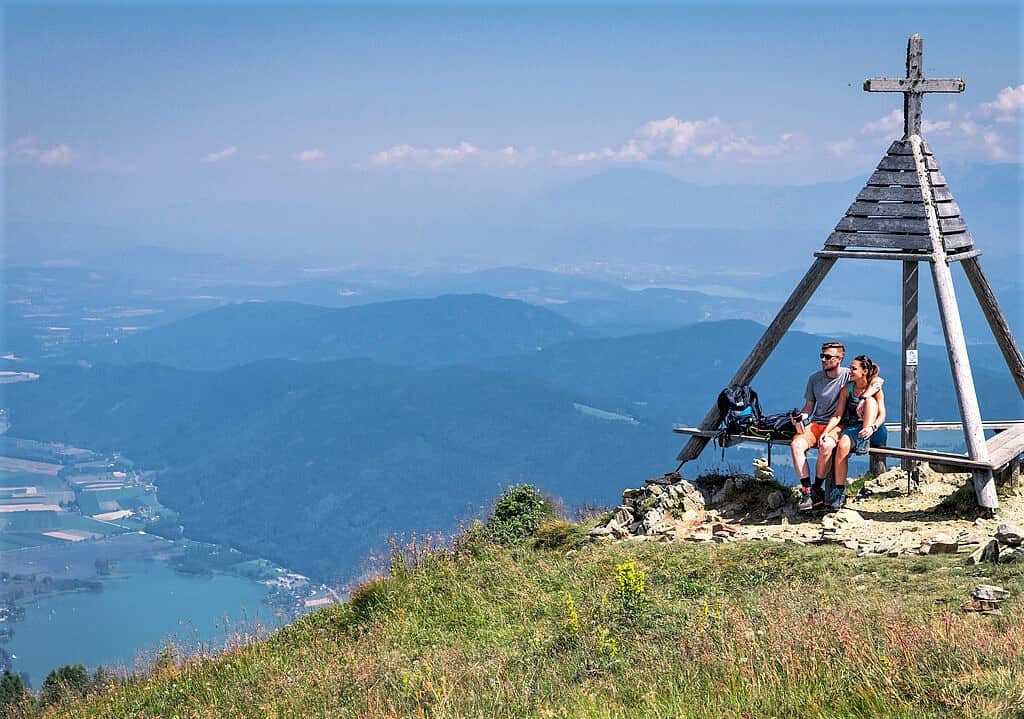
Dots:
(1010, 534)
(989, 552)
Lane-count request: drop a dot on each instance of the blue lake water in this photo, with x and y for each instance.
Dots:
(145, 606)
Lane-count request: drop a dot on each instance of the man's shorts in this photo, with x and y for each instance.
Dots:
(813, 432)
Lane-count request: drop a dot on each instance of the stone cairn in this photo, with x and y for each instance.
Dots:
(670, 508)
(746, 507)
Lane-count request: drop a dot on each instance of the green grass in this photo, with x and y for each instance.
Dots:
(742, 630)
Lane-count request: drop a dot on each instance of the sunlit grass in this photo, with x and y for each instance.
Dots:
(740, 630)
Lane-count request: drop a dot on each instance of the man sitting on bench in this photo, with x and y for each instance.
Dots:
(818, 425)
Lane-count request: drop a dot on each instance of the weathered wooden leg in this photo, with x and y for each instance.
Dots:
(963, 381)
(878, 466)
(908, 408)
(996, 320)
(764, 347)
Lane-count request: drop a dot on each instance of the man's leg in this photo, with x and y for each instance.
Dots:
(843, 458)
(799, 446)
(826, 447)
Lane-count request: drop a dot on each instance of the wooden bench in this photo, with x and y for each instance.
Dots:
(1004, 449)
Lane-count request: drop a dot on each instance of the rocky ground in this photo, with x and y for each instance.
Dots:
(883, 519)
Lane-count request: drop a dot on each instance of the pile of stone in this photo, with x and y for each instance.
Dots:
(669, 508)
(662, 509)
(985, 599)
(1004, 547)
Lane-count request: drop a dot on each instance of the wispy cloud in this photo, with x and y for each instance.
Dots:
(668, 138)
(842, 148)
(674, 138)
(465, 153)
(310, 155)
(1007, 105)
(222, 155)
(893, 124)
(27, 150)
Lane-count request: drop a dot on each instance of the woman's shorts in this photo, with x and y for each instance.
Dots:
(878, 439)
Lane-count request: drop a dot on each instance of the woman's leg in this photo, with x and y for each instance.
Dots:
(870, 412)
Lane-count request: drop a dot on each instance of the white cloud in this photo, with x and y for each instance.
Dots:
(935, 128)
(222, 155)
(27, 150)
(675, 138)
(666, 138)
(58, 155)
(892, 124)
(1007, 105)
(310, 155)
(995, 145)
(406, 155)
(969, 127)
(841, 148)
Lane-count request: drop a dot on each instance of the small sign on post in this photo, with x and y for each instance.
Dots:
(911, 358)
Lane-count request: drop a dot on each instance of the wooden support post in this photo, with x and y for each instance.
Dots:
(996, 320)
(765, 346)
(963, 381)
(908, 406)
(956, 345)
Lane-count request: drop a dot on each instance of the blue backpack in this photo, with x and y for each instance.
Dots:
(740, 411)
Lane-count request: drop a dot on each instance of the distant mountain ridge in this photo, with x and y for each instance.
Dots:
(292, 460)
(316, 464)
(417, 333)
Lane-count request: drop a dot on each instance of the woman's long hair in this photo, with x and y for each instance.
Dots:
(870, 368)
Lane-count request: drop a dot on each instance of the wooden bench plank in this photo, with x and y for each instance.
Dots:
(1005, 447)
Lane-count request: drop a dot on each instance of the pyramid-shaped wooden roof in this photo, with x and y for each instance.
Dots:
(892, 210)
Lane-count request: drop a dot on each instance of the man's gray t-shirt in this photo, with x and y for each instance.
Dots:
(824, 391)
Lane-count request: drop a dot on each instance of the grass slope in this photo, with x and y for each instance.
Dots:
(712, 631)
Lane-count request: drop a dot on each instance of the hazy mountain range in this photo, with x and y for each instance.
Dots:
(314, 464)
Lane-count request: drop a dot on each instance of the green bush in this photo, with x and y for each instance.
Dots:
(517, 515)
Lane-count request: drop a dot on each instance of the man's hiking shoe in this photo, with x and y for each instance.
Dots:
(817, 497)
(806, 502)
(861, 446)
(812, 498)
(837, 499)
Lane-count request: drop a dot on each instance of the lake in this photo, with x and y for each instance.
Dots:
(142, 607)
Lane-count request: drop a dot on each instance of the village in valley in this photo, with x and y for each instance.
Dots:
(70, 517)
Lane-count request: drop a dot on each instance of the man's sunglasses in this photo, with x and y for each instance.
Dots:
(829, 357)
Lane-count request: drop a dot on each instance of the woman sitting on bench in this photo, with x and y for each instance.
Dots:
(863, 417)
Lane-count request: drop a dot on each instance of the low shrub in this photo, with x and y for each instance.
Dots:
(518, 514)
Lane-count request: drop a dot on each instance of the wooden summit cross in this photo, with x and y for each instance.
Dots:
(906, 213)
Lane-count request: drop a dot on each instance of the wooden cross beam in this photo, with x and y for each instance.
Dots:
(913, 86)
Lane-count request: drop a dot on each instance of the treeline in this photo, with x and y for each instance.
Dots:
(63, 685)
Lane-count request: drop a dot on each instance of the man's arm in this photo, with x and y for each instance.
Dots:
(837, 415)
(805, 412)
(874, 387)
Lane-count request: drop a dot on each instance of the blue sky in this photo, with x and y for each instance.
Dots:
(248, 116)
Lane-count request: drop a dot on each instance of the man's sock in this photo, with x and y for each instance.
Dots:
(805, 484)
(819, 484)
